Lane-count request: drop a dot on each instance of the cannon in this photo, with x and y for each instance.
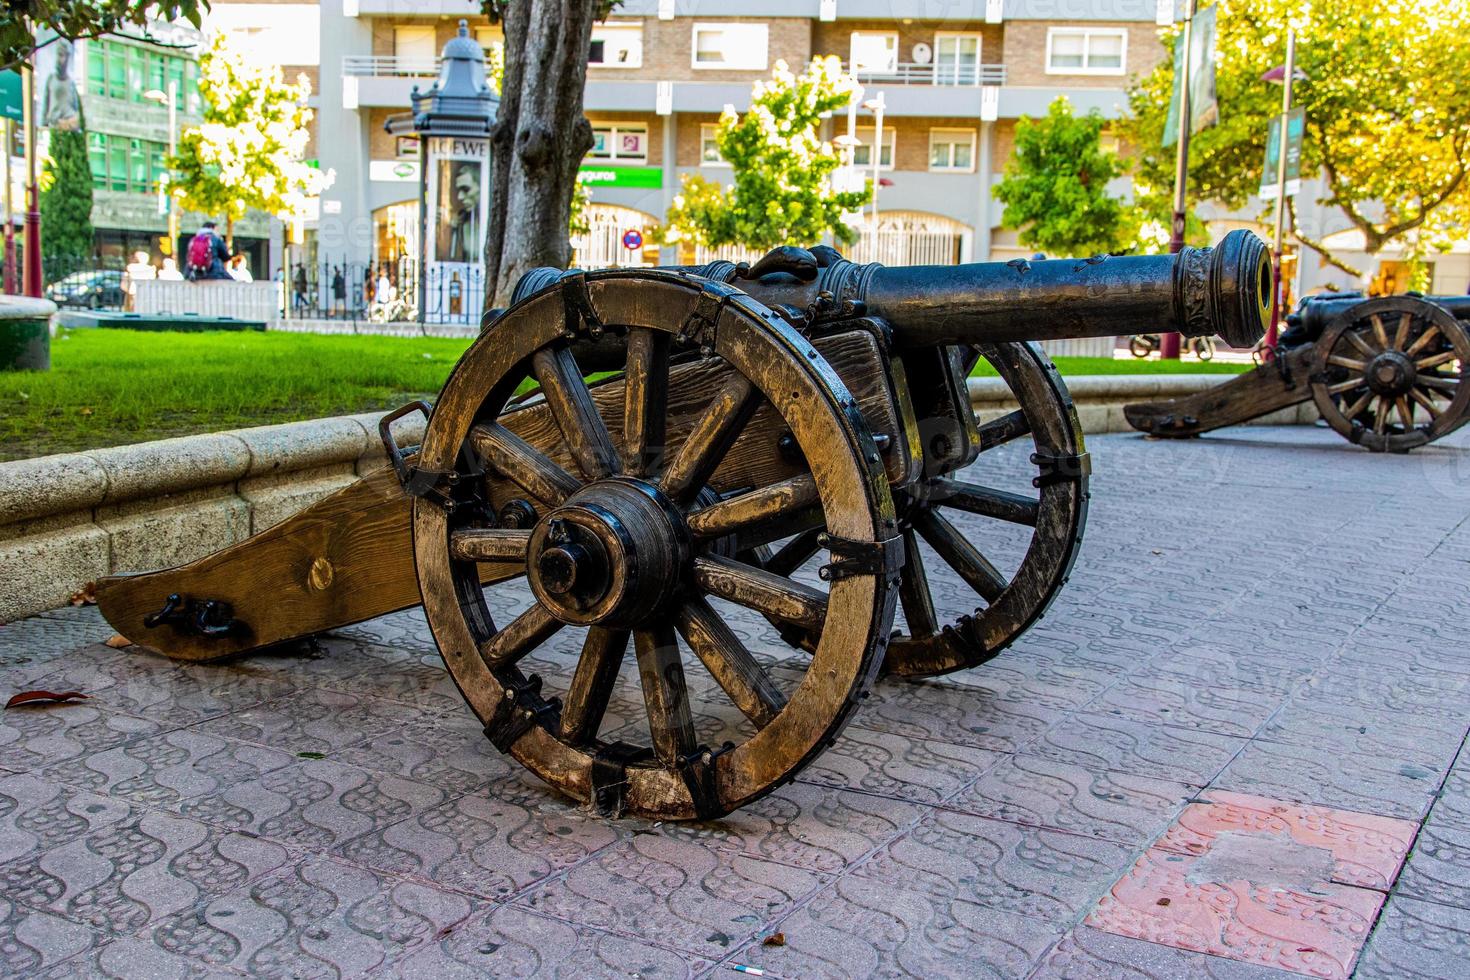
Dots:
(1387, 374)
(624, 456)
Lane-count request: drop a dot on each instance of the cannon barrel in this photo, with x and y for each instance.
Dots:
(1313, 313)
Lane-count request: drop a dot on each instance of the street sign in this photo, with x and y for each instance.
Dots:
(1296, 124)
(632, 239)
(649, 177)
(12, 103)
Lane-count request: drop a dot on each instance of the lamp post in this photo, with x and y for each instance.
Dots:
(170, 98)
(32, 275)
(876, 105)
(1169, 342)
(1269, 346)
(9, 215)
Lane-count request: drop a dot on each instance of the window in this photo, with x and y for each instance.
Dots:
(862, 154)
(709, 147)
(737, 46)
(952, 150)
(619, 142)
(126, 71)
(616, 46)
(415, 43)
(1086, 51)
(957, 59)
(126, 165)
(874, 53)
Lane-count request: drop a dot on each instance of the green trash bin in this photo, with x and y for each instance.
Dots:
(25, 333)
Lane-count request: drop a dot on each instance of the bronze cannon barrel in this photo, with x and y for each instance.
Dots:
(1314, 312)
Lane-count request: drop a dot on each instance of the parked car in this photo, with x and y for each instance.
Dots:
(92, 288)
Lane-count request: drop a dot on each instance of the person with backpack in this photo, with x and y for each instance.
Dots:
(207, 255)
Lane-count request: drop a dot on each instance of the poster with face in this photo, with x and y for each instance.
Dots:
(459, 235)
(55, 68)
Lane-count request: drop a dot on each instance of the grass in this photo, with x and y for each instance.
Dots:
(111, 387)
(1078, 366)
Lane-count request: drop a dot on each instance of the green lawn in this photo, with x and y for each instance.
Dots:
(110, 387)
(1077, 366)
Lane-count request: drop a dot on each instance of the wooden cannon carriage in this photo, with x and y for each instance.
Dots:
(640, 449)
(1388, 374)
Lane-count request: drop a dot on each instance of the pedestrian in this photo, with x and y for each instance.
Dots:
(298, 288)
(239, 268)
(339, 290)
(207, 254)
(170, 271)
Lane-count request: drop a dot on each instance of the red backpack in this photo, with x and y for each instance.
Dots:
(201, 252)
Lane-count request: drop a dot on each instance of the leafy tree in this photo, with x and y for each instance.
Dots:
(249, 150)
(782, 192)
(89, 18)
(1387, 103)
(66, 196)
(1055, 187)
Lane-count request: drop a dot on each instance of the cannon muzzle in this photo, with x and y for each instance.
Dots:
(1197, 292)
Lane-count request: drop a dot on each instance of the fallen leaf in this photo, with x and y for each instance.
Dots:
(28, 697)
(85, 596)
(117, 641)
(310, 755)
(774, 939)
(84, 410)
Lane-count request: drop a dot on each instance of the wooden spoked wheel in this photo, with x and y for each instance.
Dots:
(1393, 374)
(619, 545)
(1052, 511)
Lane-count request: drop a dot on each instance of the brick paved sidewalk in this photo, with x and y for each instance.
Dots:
(1259, 620)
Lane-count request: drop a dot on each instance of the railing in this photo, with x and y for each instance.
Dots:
(389, 66)
(913, 73)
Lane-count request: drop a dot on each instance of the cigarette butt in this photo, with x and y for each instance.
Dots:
(753, 971)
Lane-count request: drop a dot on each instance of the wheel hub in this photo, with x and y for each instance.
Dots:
(1391, 373)
(611, 555)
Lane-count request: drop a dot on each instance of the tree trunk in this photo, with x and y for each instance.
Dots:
(230, 232)
(539, 140)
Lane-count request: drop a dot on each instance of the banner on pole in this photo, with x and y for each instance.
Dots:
(1296, 125)
(1203, 109)
(12, 102)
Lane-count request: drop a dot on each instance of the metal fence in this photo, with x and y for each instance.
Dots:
(384, 292)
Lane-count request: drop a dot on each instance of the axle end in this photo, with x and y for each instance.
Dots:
(1224, 290)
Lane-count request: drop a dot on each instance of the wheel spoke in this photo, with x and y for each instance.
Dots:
(998, 432)
(1423, 340)
(1406, 414)
(1447, 385)
(714, 433)
(1435, 360)
(750, 688)
(519, 637)
(576, 415)
(1352, 411)
(523, 464)
(766, 592)
(1347, 362)
(988, 502)
(1380, 420)
(913, 590)
(1426, 402)
(592, 684)
(1403, 331)
(1356, 339)
(1342, 386)
(645, 400)
(796, 552)
(1379, 333)
(489, 544)
(670, 725)
(960, 555)
(756, 507)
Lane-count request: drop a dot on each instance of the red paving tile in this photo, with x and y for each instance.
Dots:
(1281, 885)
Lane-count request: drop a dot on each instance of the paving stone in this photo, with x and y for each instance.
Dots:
(1044, 874)
(315, 804)
(126, 958)
(864, 928)
(32, 646)
(421, 681)
(674, 893)
(166, 769)
(314, 721)
(913, 769)
(449, 751)
(38, 814)
(1452, 809)
(816, 828)
(483, 844)
(37, 735)
(1418, 940)
(1039, 792)
(970, 714)
(1087, 954)
(124, 876)
(315, 918)
(1115, 744)
(32, 941)
(511, 942)
(1155, 699)
(1329, 775)
(1438, 869)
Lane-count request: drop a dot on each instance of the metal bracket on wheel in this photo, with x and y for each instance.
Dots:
(609, 776)
(1057, 467)
(519, 709)
(698, 772)
(580, 315)
(698, 329)
(860, 557)
(416, 482)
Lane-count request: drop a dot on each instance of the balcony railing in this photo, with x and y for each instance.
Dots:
(913, 73)
(389, 66)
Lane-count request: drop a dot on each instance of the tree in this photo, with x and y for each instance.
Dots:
(1056, 186)
(1387, 104)
(783, 191)
(66, 196)
(249, 151)
(540, 136)
(90, 18)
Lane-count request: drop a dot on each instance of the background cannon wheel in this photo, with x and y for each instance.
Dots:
(1392, 373)
(628, 550)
